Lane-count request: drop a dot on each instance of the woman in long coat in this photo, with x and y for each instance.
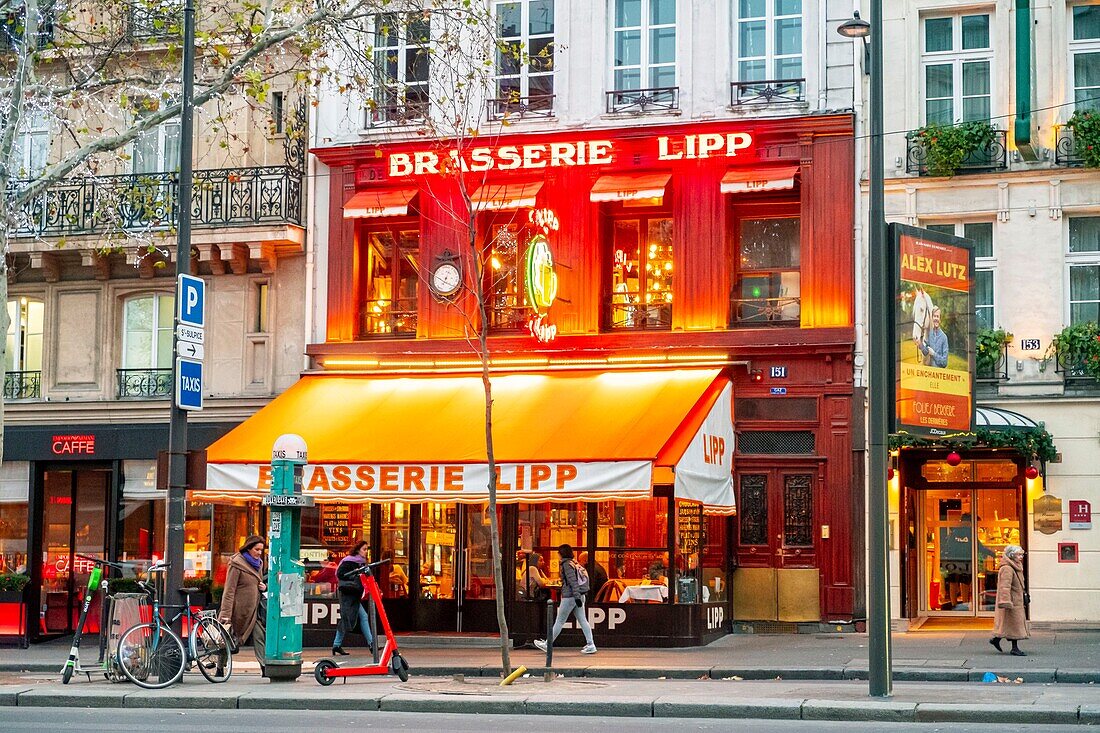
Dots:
(1009, 620)
(244, 584)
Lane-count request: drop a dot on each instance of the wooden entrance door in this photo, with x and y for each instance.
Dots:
(777, 578)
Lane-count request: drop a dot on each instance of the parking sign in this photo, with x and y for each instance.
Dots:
(191, 301)
(188, 384)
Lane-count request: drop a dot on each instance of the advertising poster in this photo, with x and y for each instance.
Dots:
(935, 332)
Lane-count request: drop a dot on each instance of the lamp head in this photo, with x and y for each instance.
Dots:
(855, 27)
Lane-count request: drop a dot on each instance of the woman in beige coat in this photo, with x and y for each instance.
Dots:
(244, 583)
(1010, 620)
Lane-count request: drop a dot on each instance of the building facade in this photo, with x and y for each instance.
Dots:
(1013, 78)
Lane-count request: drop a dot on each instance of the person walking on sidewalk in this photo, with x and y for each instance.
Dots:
(349, 586)
(243, 607)
(1010, 618)
(574, 586)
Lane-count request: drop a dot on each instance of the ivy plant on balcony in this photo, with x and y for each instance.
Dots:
(1085, 125)
(1077, 348)
(948, 146)
(989, 349)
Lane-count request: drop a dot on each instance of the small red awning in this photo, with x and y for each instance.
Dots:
(372, 204)
(630, 187)
(498, 196)
(759, 179)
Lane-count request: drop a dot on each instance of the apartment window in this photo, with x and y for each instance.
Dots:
(956, 64)
(157, 150)
(644, 44)
(640, 272)
(278, 112)
(525, 59)
(391, 271)
(401, 60)
(769, 40)
(1085, 53)
(31, 145)
(147, 331)
(985, 264)
(24, 345)
(767, 288)
(504, 272)
(262, 321)
(1084, 269)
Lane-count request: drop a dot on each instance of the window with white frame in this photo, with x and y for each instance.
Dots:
(525, 59)
(402, 62)
(985, 265)
(157, 150)
(24, 344)
(644, 44)
(1084, 48)
(31, 147)
(147, 325)
(769, 40)
(956, 64)
(1083, 260)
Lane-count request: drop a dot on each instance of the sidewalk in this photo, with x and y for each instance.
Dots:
(1054, 656)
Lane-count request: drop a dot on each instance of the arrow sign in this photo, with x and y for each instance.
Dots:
(189, 350)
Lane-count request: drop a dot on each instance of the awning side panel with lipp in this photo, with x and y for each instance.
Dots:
(759, 179)
(375, 204)
(630, 187)
(705, 471)
(503, 196)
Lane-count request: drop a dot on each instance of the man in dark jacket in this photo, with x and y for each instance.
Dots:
(597, 573)
(572, 602)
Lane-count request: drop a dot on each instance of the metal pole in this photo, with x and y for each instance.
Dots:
(177, 427)
(549, 639)
(881, 320)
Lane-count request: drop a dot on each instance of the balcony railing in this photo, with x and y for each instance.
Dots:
(144, 383)
(641, 101)
(147, 201)
(22, 385)
(990, 158)
(401, 113)
(627, 311)
(767, 92)
(1065, 148)
(1071, 365)
(784, 311)
(536, 105)
(389, 319)
(994, 372)
(12, 27)
(150, 19)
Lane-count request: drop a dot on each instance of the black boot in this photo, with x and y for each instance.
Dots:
(996, 642)
(339, 650)
(1016, 652)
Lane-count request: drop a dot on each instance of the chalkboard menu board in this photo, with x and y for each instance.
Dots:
(335, 529)
(689, 527)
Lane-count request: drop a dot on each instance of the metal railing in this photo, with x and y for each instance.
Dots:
(22, 385)
(147, 201)
(628, 311)
(397, 112)
(1065, 148)
(640, 101)
(990, 158)
(12, 27)
(784, 311)
(535, 105)
(767, 91)
(146, 383)
(389, 318)
(150, 19)
(1071, 365)
(994, 372)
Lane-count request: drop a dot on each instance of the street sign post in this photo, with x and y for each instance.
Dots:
(188, 384)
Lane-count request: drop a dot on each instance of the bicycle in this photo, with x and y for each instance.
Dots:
(96, 582)
(153, 656)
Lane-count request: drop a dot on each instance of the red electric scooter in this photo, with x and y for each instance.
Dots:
(382, 662)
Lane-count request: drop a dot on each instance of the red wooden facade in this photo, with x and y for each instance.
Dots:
(813, 353)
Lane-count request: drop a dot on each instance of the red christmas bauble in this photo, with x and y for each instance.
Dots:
(1031, 472)
(954, 459)
(889, 474)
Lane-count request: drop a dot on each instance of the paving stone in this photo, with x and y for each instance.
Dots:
(71, 697)
(648, 673)
(338, 697)
(175, 697)
(1017, 714)
(748, 708)
(786, 673)
(9, 695)
(1089, 714)
(1077, 676)
(558, 705)
(484, 704)
(931, 674)
(859, 710)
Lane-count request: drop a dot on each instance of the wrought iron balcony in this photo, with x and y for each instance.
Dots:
(399, 113)
(223, 197)
(767, 92)
(12, 27)
(783, 311)
(635, 310)
(536, 105)
(994, 372)
(153, 20)
(1072, 366)
(144, 383)
(22, 385)
(389, 318)
(990, 158)
(1065, 148)
(641, 101)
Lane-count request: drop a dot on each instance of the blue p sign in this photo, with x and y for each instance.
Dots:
(191, 301)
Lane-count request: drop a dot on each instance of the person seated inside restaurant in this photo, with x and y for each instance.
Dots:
(597, 574)
(392, 578)
(656, 574)
(535, 582)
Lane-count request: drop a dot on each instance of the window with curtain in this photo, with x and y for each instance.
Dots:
(390, 267)
(769, 40)
(1083, 260)
(1085, 56)
(24, 344)
(957, 57)
(147, 331)
(640, 264)
(632, 544)
(768, 262)
(31, 146)
(644, 44)
(525, 62)
(157, 150)
(402, 65)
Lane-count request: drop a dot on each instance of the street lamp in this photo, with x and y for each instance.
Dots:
(879, 351)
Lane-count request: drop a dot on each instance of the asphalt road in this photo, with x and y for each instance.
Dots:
(81, 720)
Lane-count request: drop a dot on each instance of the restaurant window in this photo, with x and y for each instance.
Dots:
(147, 331)
(508, 240)
(401, 63)
(220, 529)
(14, 498)
(480, 584)
(24, 344)
(767, 286)
(327, 532)
(438, 529)
(395, 547)
(714, 560)
(390, 267)
(644, 45)
(141, 523)
(1085, 56)
(632, 544)
(769, 40)
(985, 264)
(1084, 269)
(525, 58)
(542, 529)
(640, 277)
(957, 58)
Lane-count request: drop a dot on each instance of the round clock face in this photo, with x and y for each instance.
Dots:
(446, 279)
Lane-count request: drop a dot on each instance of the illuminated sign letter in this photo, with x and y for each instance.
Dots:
(400, 164)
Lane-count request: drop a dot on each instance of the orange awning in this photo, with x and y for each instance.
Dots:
(371, 204)
(759, 179)
(558, 437)
(630, 187)
(498, 196)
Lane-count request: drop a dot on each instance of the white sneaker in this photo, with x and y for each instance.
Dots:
(589, 649)
(540, 644)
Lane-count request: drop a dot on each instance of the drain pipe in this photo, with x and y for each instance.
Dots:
(311, 285)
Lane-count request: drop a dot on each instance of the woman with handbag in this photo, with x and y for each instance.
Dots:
(1010, 618)
(245, 584)
(349, 587)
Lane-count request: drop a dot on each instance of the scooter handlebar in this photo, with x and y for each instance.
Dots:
(370, 566)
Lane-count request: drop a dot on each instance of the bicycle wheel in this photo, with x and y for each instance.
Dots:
(212, 650)
(151, 656)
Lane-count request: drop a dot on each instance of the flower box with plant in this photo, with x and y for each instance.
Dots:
(1077, 349)
(1085, 125)
(989, 351)
(947, 147)
(11, 587)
